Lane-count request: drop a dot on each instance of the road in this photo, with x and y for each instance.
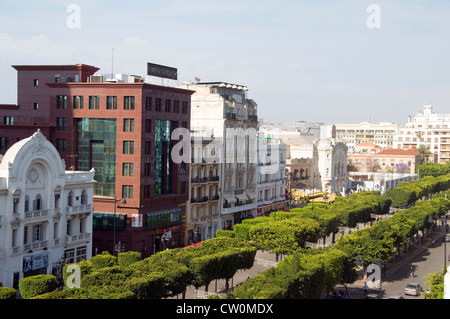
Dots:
(428, 260)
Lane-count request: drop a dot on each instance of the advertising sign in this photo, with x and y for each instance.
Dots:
(162, 71)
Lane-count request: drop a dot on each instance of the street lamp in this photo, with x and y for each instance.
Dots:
(114, 221)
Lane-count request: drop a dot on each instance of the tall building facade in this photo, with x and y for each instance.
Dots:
(46, 218)
(429, 129)
(381, 134)
(122, 128)
(222, 112)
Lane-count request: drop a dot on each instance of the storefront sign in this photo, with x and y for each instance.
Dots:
(136, 220)
(34, 262)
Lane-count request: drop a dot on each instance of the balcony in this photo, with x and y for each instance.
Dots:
(76, 239)
(81, 209)
(37, 214)
(199, 180)
(213, 178)
(199, 200)
(36, 245)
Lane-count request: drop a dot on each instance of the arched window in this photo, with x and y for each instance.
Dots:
(83, 197)
(37, 203)
(70, 199)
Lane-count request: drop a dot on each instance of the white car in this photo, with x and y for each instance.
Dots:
(413, 289)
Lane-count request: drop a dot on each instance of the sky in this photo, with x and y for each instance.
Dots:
(325, 61)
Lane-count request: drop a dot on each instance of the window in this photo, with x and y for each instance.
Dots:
(184, 109)
(61, 102)
(8, 120)
(148, 125)
(176, 106)
(127, 169)
(37, 203)
(37, 233)
(128, 102)
(4, 143)
(27, 201)
(147, 189)
(70, 199)
(127, 191)
(35, 106)
(147, 148)
(148, 103)
(128, 147)
(61, 123)
(94, 102)
(61, 144)
(69, 227)
(25, 235)
(78, 102)
(36, 82)
(111, 102)
(168, 105)
(128, 125)
(147, 168)
(158, 104)
(84, 199)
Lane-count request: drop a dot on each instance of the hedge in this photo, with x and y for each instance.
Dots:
(129, 257)
(7, 293)
(36, 285)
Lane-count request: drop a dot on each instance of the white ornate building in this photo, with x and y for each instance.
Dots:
(45, 211)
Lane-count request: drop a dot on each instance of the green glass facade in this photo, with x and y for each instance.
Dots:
(96, 148)
(163, 167)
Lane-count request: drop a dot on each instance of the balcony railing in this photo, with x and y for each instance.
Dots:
(73, 210)
(36, 214)
(75, 239)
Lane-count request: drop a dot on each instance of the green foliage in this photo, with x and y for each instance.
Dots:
(103, 260)
(147, 287)
(36, 285)
(285, 236)
(436, 283)
(7, 293)
(129, 257)
(433, 169)
(225, 233)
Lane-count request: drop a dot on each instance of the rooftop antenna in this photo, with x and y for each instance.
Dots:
(112, 64)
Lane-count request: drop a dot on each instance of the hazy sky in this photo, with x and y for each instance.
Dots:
(310, 60)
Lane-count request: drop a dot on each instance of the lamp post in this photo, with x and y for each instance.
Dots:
(114, 221)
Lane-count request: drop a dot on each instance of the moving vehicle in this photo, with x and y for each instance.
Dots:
(413, 289)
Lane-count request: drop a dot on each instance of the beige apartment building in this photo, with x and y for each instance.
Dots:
(429, 129)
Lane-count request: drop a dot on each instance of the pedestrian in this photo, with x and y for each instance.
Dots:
(412, 272)
(346, 292)
(366, 289)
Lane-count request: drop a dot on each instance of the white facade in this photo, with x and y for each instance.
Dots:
(271, 177)
(222, 112)
(203, 211)
(332, 165)
(429, 129)
(46, 213)
(381, 134)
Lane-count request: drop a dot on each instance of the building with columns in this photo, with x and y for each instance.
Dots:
(46, 215)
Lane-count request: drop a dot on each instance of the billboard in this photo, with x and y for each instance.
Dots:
(162, 71)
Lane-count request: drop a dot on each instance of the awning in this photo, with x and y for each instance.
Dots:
(229, 198)
(241, 197)
(251, 195)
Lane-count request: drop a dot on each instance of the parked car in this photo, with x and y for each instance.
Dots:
(413, 289)
(447, 237)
